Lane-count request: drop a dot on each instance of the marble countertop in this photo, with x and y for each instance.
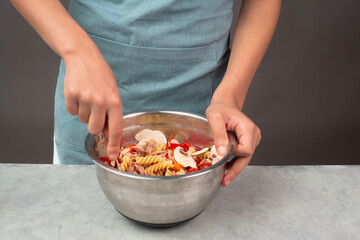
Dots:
(264, 202)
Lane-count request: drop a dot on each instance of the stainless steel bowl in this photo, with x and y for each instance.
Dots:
(154, 200)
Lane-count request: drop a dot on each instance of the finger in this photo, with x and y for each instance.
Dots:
(72, 107)
(229, 165)
(222, 174)
(236, 168)
(96, 120)
(115, 131)
(218, 127)
(244, 148)
(84, 112)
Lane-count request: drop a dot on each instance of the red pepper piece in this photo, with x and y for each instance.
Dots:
(204, 165)
(192, 170)
(130, 146)
(198, 160)
(105, 160)
(172, 146)
(185, 146)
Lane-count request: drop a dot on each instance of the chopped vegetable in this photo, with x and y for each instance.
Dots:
(105, 160)
(204, 165)
(192, 170)
(177, 166)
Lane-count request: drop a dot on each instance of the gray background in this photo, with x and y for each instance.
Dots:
(305, 95)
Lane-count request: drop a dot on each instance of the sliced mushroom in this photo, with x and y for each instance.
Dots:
(150, 134)
(174, 141)
(200, 151)
(214, 155)
(185, 160)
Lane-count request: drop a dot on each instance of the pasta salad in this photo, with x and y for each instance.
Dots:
(155, 155)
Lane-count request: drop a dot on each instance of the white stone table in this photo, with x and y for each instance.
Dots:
(282, 202)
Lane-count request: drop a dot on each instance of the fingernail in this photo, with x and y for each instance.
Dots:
(222, 150)
(112, 156)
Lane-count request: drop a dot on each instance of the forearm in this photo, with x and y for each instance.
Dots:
(254, 29)
(55, 26)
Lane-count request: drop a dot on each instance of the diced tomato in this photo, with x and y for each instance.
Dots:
(204, 165)
(131, 150)
(192, 170)
(105, 160)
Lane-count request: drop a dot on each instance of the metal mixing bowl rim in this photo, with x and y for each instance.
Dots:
(98, 162)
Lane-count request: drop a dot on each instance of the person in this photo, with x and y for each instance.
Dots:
(136, 55)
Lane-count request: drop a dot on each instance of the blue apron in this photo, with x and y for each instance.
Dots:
(165, 55)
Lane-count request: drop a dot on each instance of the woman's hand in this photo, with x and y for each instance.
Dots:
(223, 118)
(254, 29)
(91, 92)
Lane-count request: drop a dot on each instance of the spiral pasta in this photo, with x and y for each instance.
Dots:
(160, 173)
(168, 172)
(159, 166)
(181, 172)
(160, 147)
(125, 163)
(149, 159)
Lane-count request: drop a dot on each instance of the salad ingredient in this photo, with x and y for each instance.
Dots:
(150, 134)
(155, 156)
(182, 158)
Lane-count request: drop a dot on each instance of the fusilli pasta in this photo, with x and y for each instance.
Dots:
(125, 163)
(168, 172)
(159, 166)
(149, 159)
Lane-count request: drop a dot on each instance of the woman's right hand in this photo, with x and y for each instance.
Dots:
(91, 93)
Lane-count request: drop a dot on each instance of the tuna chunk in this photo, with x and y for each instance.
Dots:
(141, 147)
(131, 167)
(139, 169)
(124, 152)
(150, 146)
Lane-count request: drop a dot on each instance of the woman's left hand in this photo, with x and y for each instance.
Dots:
(223, 118)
